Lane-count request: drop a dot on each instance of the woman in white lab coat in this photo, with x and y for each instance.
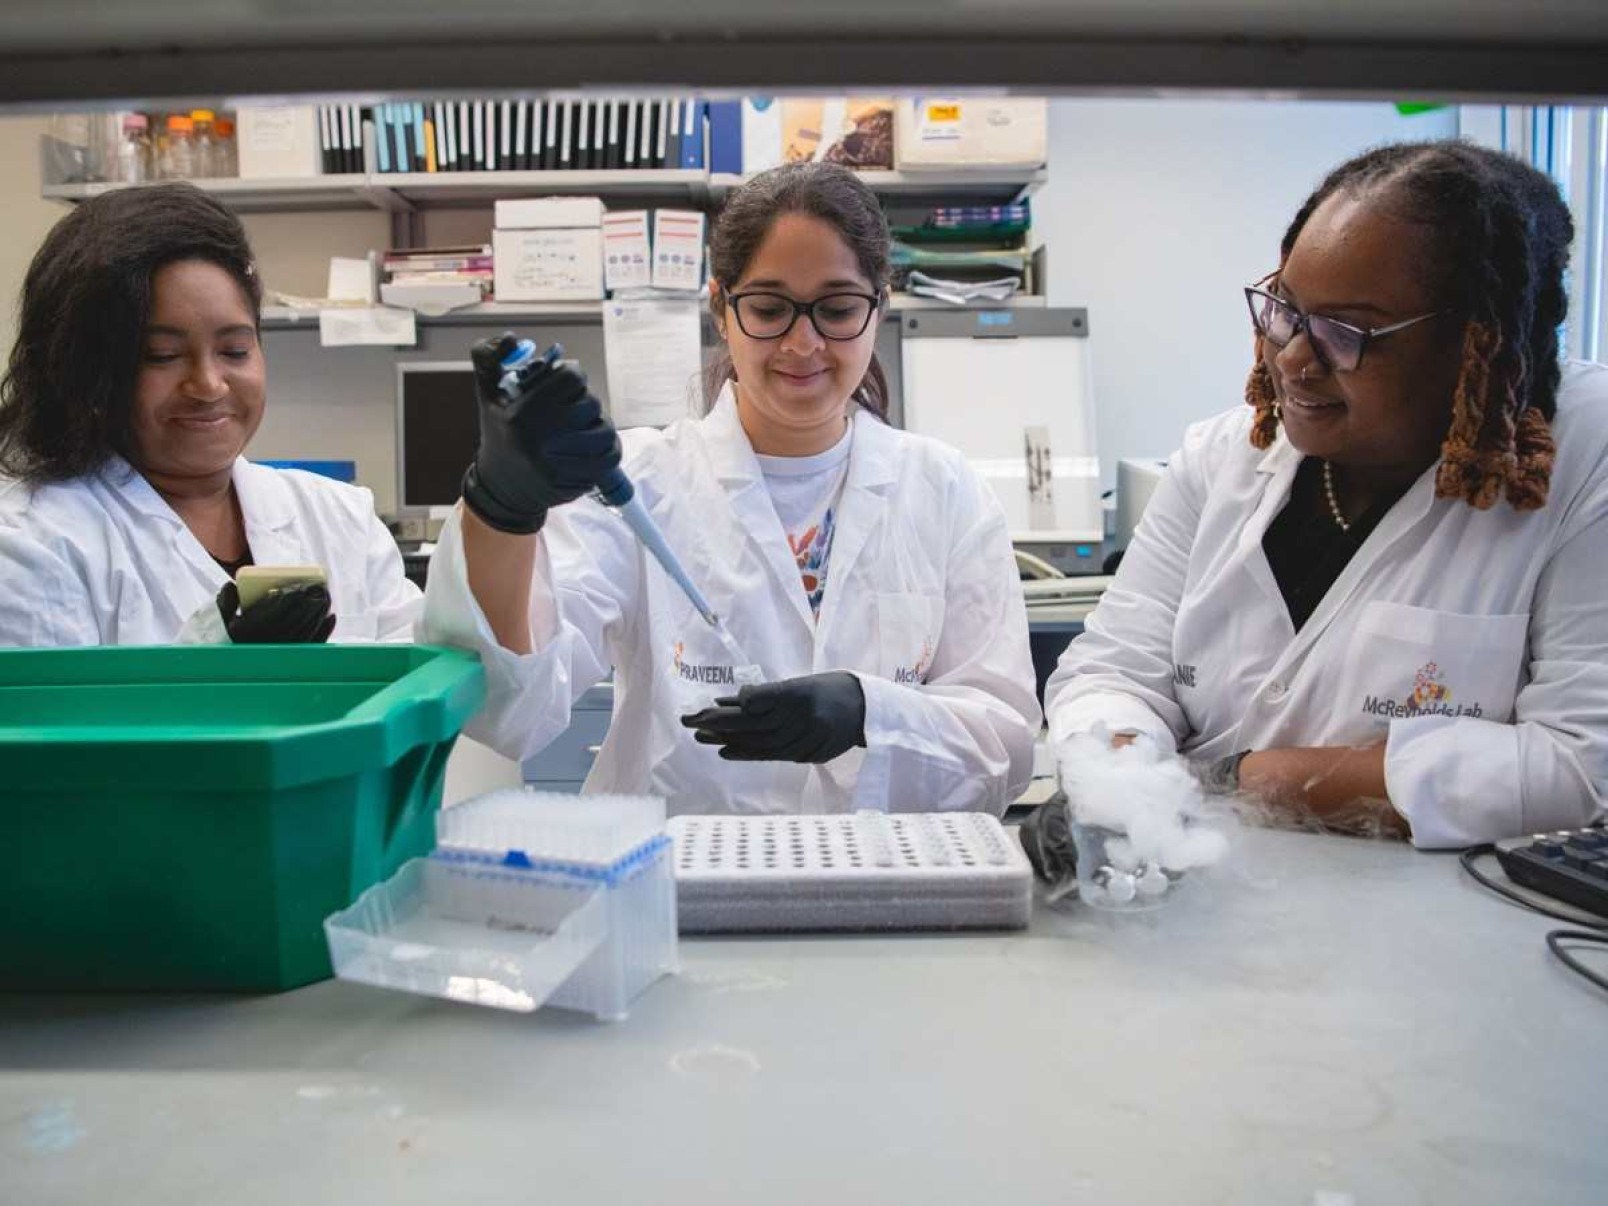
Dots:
(134, 385)
(1378, 597)
(868, 572)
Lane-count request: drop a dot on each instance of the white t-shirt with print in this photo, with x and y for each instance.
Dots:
(805, 492)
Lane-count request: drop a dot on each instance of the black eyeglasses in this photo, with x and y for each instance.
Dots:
(837, 316)
(1338, 344)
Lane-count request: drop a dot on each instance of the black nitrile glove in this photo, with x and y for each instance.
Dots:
(1046, 837)
(298, 614)
(549, 446)
(810, 719)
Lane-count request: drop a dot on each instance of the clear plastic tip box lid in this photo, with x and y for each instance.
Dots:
(529, 899)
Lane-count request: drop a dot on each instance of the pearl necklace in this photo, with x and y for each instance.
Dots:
(1334, 503)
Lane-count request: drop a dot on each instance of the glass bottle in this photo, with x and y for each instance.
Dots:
(178, 155)
(228, 163)
(205, 142)
(134, 151)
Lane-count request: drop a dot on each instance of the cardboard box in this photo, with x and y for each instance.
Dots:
(431, 298)
(278, 141)
(762, 133)
(971, 132)
(854, 131)
(547, 213)
(678, 249)
(627, 260)
(549, 264)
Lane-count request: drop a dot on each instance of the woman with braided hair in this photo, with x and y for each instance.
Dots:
(1378, 597)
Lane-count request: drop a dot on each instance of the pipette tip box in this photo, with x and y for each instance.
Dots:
(867, 871)
(529, 899)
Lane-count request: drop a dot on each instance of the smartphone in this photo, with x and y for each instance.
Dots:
(255, 581)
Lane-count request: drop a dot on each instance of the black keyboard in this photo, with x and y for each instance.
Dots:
(1571, 865)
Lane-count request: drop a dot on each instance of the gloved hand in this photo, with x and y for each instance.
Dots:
(1046, 837)
(288, 615)
(548, 446)
(809, 719)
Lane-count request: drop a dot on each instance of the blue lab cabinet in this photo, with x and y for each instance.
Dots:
(564, 764)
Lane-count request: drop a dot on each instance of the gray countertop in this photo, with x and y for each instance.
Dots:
(1322, 1020)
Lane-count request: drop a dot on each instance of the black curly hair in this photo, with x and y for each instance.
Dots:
(1498, 245)
(68, 389)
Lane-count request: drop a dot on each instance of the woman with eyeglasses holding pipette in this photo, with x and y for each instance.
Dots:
(871, 646)
(1377, 598)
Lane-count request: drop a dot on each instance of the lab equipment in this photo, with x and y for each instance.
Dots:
(529, 899)
(134, 150)
(184, 817)
(866, 871)
(1010, 389)
(1137, 480)
(204, 142)
(1136, 819)
(437, 431)
(176, 158)
(617, 491)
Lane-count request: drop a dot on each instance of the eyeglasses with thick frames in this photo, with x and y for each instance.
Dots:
(836, 316)
(1338, 344)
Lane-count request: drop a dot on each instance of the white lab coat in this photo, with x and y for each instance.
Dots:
(922, 601)
(103, 560)
(1474, 643)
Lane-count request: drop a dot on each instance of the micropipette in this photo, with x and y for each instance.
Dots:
(617, 491)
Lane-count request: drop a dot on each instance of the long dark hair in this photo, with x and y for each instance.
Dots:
(826, 191)
(1498, 239)
(86, 301)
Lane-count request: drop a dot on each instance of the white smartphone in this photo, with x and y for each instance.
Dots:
(255, 581)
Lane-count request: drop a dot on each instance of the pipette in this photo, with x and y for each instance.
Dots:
(617, 491)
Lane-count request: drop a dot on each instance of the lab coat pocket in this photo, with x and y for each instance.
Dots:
(907, 635)
(1414, 661)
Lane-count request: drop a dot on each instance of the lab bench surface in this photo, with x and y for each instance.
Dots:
(1323, 1020)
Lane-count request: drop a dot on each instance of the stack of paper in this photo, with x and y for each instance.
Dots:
(963, 293)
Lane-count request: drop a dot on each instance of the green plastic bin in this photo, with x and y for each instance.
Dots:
(186, 817)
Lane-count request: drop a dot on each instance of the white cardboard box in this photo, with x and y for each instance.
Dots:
(548, 264)
(626, 253)
(762, 133)
(431, 297)
(278, 141)
(678, 249)
(544, 213)
(965, 132)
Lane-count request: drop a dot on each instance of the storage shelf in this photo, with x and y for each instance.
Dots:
(980, 187)
(402, 191)
(285, 195)
(297, 318)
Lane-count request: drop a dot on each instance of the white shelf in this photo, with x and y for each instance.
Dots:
(984, 187)
(411, 190)
(284, 195)
(296, 318)
(901, 302)
(425, 189)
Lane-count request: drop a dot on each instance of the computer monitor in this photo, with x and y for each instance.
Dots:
(437, 431)
(1137, 480)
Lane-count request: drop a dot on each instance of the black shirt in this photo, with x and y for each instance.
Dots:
(233, 568)
(1304, 546)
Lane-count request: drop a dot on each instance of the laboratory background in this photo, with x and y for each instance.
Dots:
(1304, 1018)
